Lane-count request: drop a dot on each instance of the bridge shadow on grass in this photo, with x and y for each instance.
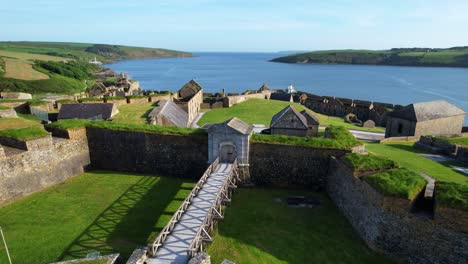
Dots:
(134, 219)
(259, 229)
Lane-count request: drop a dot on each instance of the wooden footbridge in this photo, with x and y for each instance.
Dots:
(189, 228)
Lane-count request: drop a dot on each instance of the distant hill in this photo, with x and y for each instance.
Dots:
(103, 52)
(61, 67)
(450, 57)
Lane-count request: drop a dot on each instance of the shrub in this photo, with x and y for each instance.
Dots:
(27, 133)
(363, 163)
(401, 183)
(450, 194)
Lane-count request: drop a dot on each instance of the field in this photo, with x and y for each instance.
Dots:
(97, 211)
(406, 156)
(134, 113)
(259, 229)
(22, 70)
(259, 111)
(29, 56)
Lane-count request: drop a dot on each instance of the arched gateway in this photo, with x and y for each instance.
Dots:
(230, 140)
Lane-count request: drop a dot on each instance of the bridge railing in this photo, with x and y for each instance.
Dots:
(180, 211)
(215, 212)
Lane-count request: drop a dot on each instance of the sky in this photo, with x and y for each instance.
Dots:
(240, 25)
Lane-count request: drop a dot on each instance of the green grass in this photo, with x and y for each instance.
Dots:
(91, 99)
(457, 140)
(452, 195)
(406, 156)
(365, 163)
(401, 183)
(27, 133)
(134, 113)
(340, 139)
(4, 107)
(97, 211)
(259, 111)
(76, 123)
(258, 229)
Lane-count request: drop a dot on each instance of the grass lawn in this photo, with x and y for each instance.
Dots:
(134, 113)
(22, 70)
(259, 111)
(407, 156)
(98, 211)
(14, 123)
(458, 140)
(258, 229)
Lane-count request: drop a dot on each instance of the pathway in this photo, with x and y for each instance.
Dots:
(175, 247)
(197, 118)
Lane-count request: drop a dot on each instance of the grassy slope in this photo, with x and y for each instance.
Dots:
(14, 123)
(406, 156)
(17, 69)
(97, 211)
(458, 140)
(437, 57)
(257, 229)
(259, 111)
(134, 113)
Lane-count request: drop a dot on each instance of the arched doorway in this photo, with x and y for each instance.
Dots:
(227, 152)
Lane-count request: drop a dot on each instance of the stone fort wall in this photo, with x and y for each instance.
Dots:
(25, 172)
(387, 226)
(290, 166)
(171, 155)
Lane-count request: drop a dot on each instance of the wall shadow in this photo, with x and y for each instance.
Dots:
(138, 214)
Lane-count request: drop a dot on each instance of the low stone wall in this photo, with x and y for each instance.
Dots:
(20, 107)
(34, 144)
(75, 133)
(116, 102)
(462, 154)
(137, 100)
(290, 166)
(171, 155)
(387, 226)
(165, 97)
(9, 113)
(231, 100)
(443, 147)
(396, 139)
(31, 171)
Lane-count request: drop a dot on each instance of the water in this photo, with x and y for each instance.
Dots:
(237, 72)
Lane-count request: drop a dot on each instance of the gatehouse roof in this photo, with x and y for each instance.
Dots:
(234, 123)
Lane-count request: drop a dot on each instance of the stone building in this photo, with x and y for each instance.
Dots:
(15, 95)
(229, 140)
(282, 97)
(99, 111)
(190, 98)
(312, 123)
(122, 87)
(289, 122)
(167, 113)
(427, 118)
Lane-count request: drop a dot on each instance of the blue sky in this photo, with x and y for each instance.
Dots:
(256, 25)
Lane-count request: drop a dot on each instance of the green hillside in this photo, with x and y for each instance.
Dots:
(451, 57)
(60, 67)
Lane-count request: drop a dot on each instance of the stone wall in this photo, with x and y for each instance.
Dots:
(9, 113)
(387, 226)
(138, 100)
(171, 155)
(42, 143)
(229, 101)
(30, 171)
(290, 166)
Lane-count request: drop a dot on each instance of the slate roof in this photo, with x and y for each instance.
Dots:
(96, 111)
(172, 112)
(189, 90)
(427, 111)
(286, 111)
(281, 97)
(264, 88)
(235, 123)
(311, 119)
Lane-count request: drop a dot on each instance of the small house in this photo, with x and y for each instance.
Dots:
(312, 123)
(427, 118)
(190, 98)
(167, 113)
(99, 111)
(289, 122)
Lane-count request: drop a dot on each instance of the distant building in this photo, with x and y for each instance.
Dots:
(95, 62)
(426, 118)
(264, 88)
(99, 111)
(190, 98)
(282, 97)
(289, 122)
(167, 113)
